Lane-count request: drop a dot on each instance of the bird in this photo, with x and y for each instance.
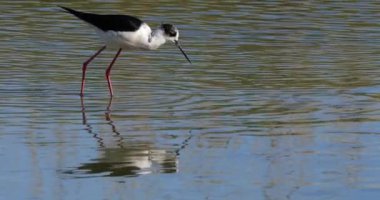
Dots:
(124, 32)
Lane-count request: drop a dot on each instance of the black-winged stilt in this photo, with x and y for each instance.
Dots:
(125, 32)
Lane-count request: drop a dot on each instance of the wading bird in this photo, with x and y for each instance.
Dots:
(125, 32)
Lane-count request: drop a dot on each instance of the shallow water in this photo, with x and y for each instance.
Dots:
(281, 102)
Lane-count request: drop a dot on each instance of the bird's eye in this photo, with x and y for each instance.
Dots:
(172, 33)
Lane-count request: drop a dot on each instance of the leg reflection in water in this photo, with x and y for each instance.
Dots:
(88, 126)
(116, 133)
(124, 154)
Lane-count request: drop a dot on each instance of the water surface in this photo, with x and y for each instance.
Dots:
(281, 102)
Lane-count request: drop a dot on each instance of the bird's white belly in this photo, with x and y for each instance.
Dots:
(128, 39)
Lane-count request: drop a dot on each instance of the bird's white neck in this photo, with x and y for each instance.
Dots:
(156, 39)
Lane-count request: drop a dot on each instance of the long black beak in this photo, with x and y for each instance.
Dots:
(179, 47)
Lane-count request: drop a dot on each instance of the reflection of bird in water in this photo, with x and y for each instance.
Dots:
(89, 127)
(131, 161)
(125, 32)
(110, 122)
(130, 157)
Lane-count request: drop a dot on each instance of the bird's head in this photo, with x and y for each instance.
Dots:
(171, 33)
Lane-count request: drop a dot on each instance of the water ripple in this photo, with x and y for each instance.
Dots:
(278, 87)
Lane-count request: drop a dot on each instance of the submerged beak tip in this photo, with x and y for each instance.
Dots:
(179, 47)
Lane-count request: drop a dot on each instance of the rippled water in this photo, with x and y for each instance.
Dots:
(281, 102)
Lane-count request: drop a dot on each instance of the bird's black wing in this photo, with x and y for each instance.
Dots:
(108, 22)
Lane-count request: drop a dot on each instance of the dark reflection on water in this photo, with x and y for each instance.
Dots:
(125, 157)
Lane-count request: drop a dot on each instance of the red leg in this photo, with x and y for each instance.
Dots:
(108, 71)
(84, 68)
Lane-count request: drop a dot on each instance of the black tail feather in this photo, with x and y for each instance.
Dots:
(68, 10)
(107, 22)
(73, 12)
(87, 17)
